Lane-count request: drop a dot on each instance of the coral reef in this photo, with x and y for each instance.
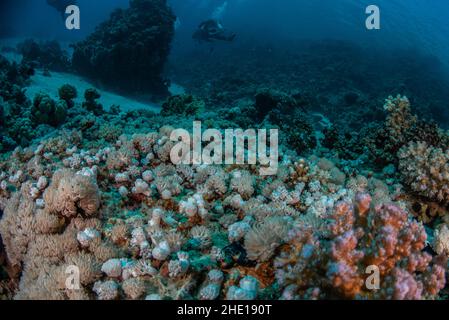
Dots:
(91, 206)
(336, 77)
(128, 52)
(137, 227)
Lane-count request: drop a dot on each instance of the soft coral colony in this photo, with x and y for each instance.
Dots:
(101, 194)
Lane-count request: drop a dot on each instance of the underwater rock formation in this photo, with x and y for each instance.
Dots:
(98, 191)
(287, 112)
(336, 75)
(128, 52)
(45, 55)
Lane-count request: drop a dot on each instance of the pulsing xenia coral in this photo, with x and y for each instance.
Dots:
(70, 193)
(360, 237)
(42, 243)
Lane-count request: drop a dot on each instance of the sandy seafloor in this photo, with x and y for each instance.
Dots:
(50, 85)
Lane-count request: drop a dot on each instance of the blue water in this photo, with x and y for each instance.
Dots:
(411, 23)
(413, 27)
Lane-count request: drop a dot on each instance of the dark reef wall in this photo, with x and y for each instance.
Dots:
(128, 52)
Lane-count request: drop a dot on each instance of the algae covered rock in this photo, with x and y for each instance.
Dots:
(45, 110)
(128, 51)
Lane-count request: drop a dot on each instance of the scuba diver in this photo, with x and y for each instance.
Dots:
(212, 30)
(61, 5)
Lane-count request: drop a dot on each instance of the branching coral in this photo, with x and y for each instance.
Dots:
(399, 119)
(165, 231)
(425, 169)
(362, 238)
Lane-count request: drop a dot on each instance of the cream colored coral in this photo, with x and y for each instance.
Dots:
(17, 227)
(70, 194)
